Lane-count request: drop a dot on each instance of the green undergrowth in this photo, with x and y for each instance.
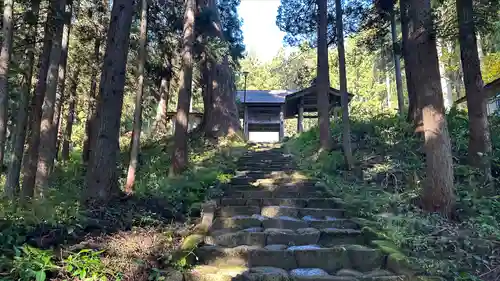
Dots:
(129, 238)
(383, 192)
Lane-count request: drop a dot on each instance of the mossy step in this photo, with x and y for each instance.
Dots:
(329, 203)
(257, 236)
(278, 211)
(331, 260)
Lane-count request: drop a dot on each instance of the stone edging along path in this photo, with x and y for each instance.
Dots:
(272, 224)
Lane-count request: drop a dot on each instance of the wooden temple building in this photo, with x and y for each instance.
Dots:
(264, 111)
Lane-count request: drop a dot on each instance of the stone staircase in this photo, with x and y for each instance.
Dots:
(272, 224)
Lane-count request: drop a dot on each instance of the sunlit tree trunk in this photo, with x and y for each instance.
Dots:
(438, 192)
(323, 79)
(479, 131)
(13, 175)
(47, 128)
(346, 134)
(397, 62)
(136, 133)
(4, 73)
(388, 86)
(102, 174)
(31, 158)
(445, 85)
(180, 152)
(160, 123)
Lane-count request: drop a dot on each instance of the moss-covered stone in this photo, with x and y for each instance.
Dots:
(398, 263)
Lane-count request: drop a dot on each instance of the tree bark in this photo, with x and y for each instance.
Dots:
(13, 175)
(344, 96)
(438, 192)
(396, 50)
(323, 80)
(4, 74)
(388, 85)
(70, 118)
(414, 108)
(479, 131)
(102, 174)
(47, 128)
(31, 158)
(180, 152)
(136, 133)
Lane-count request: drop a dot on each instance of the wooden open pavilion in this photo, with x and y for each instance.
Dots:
(264, 111)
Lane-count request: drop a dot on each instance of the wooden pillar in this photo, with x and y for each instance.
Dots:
(245, 122)
(300, 118)
(282, 122)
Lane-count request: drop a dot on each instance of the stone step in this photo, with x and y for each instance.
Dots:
(267, 273)
(279, 193)
(279, 211)
(328, 203)
(258, 236)
(242, 222)
(331, 259)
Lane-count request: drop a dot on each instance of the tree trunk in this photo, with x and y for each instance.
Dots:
(396, 50)
(31, 158)
(91, 104)
(180, 153)
(479, 131)
(102, 174)
(445, 85)
(414, 108)
(70, 118)
(323, 80)
(136, 133)
(62, 82)
(47, 128)
(344, 96)
(13, 175)
(4, 74)
(438, 192)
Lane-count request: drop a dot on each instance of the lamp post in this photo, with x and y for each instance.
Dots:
(245, 108)
(245, 73)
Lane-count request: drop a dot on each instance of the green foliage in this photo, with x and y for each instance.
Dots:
(384, 192)
(32, 264)
(87, 265)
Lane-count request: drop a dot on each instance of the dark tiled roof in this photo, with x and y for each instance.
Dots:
(263, 96)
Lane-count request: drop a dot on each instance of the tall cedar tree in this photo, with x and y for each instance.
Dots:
(438, 192)
(411, 62)
(346, 135)
(4, 73)
(31, 158)
(102, 174)
(136, 133)
(323, 81)
(48, 129)
(180, 152)
(160, 123)
(61, 86)
(479, 131)
(91, 107)
(221, 118)
(13, 175)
